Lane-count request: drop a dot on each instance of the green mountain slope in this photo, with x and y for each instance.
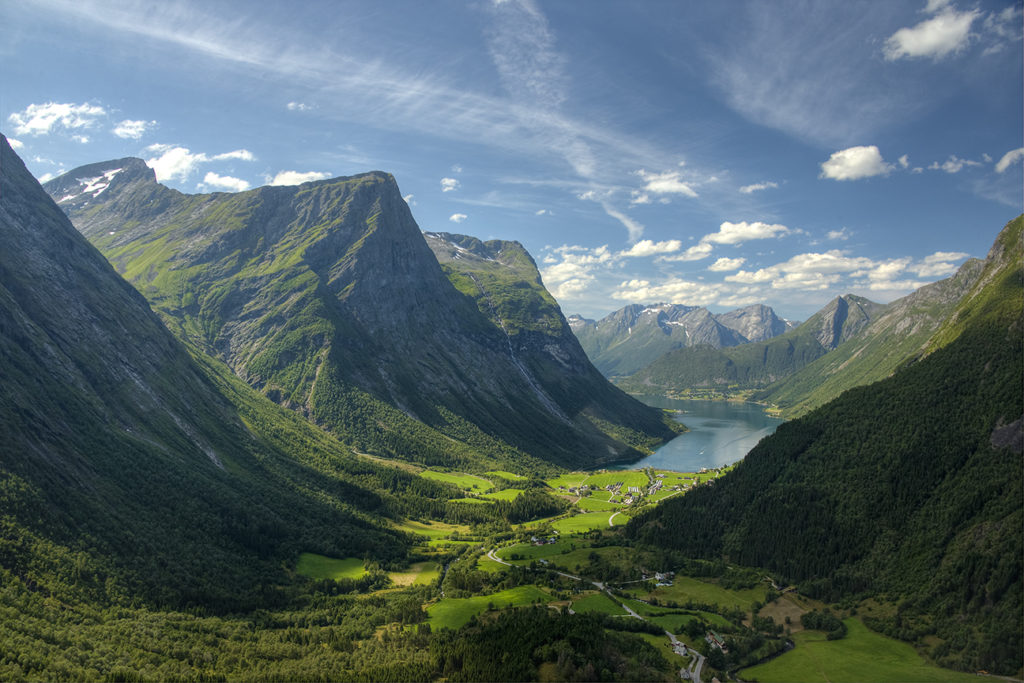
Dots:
(132, 467)
(756, 365)
(897, 335)
(327, 299)
(909, 489)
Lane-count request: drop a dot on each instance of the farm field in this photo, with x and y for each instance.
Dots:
(467, 482)
(504, 494)
(511, 476)
(419, 574)
(433, 530)
(685, 588)
(861, 656)
(598, 602)
(455, 612)
(586, 521)
(322, 567)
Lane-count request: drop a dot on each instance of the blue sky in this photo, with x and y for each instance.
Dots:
(713, 154)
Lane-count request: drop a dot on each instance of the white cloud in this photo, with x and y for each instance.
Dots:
(1010, 158)
(669, 182)
(944, 34)
(298, 106)
(854, 163)
(46, 177)
(635, 229)
(132, 130)
(243, 154)
(83, 139)
(456, 168)
(842, 234)
(724, 265)
(904, 161)
(178, 163)
(409, 199)
(639, 197)
(953, 164)
(15, 144)
(737, 233)
(648, 248)
(756, 187)
(699, 251)
(449, 184)
(542, 212)
(939, 264)
(457, 217)
(225, 182)
(934, 6)
(41, 119)
(297, 177)
(174, 163)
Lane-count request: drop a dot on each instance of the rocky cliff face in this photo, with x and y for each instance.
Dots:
(634, 336)
(326, 297)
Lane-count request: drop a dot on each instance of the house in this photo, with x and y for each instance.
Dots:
(715, 640)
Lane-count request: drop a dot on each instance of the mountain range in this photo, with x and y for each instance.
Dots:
(327, 299)
(634, 336)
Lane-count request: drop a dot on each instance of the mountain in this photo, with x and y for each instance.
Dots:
(135, 471)
(757, 364)
(634, 336)
(908, 490)
(327, 299)
(896, 335)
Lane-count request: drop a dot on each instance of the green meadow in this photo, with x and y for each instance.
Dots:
(862, 655)
(456, 612)
(321, 567)
(511, 476)
(685, 588)
(466, 482)
(504, 494)
(598, 602)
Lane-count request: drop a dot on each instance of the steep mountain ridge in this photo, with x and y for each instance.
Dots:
(130, 465)
(634, 336)
(757, 364)
(326, 297)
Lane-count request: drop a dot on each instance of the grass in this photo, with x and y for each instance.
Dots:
(505, 494)
(472, 501)
(488, 565)
(585, 522)
(593, 504)
(861, 656)
(571, 479)
(511, 476)
(685, 588)
(466, 482)
(419, 574)
(321, 567)
(598, 602)
(434, 530)
(627, 477)
(456, 612)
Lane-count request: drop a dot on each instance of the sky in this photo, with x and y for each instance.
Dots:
(709, 154)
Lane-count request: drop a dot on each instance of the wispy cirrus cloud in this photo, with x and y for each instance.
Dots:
(757, 187)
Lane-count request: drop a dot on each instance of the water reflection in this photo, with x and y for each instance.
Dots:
(721, 433)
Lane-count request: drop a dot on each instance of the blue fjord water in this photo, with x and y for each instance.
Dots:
(721, 433)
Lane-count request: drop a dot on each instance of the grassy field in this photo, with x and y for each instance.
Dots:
(471, 501)
(466, 482)
(511, 476)
(627, 477)
(321, 567)
(433, 531)
(419, 574)
(504, 494)
(585, 522)
(671, 619)
(597, 602)
(861, 656)
(572, 479)
(685, 588)
(485, 564)
(456, 612)
(594, 504)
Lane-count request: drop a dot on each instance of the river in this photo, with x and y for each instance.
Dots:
(721, 433)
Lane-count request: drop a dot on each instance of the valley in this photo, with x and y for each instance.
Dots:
(282, 434)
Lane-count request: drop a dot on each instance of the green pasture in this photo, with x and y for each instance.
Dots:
(570, 479)
(672, 617)
(471, 501)
(527, 551)
(511, 476)
(685, 588)
(627, 477)
(595, 504)
(598, 602)
(488, 565)
(585, 522)
(456, 612)
(321, 567)
(433, 530)
(862, 655)
(504, 494)
(466, 482)
(418, 574)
